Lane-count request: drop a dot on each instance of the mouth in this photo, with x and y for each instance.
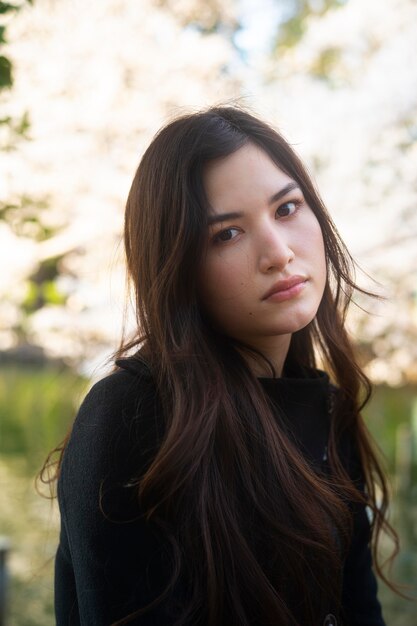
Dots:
(285, 289)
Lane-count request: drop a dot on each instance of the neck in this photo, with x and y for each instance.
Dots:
(275, 349)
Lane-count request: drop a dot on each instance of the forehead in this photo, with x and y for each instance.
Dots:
(244, 178)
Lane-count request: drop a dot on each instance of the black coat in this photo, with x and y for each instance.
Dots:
(106, 567)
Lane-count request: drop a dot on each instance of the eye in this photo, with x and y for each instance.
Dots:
(288, 208)
(226, 235)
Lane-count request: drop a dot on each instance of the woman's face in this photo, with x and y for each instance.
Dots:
(264, 271)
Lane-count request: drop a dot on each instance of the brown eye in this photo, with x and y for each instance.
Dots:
(287, 209)
(226, 235)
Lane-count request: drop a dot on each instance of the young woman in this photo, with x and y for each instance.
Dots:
(217, 477)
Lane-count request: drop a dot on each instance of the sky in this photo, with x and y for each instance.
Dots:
(259, 21)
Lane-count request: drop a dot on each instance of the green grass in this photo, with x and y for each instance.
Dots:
(391, 417)
(391, 409)
(36, 409)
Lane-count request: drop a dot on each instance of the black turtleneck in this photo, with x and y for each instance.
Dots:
(302, 405)
(110, 562)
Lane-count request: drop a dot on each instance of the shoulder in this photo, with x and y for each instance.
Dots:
(116, 431)
(118, 399)
(128, 380)
(106, 541)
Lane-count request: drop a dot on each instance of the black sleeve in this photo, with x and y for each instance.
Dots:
(110, 561)
(360, 600)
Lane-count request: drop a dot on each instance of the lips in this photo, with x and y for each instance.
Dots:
(283, 286)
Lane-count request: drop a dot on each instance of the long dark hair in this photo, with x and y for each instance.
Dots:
(227, 485)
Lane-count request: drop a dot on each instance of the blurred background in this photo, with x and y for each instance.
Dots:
(83, 87)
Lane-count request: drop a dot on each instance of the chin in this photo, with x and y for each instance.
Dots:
(294, 325)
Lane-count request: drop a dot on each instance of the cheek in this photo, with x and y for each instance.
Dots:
(223, 282)
(321, 260)
(317, 243)
(316, 250)
(216, 282)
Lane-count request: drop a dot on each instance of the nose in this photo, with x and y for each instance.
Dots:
(275, 251)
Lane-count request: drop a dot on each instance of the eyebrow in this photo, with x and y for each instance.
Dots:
(224, 217)
(283, 192)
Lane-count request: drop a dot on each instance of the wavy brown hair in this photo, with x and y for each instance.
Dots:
(247, 518)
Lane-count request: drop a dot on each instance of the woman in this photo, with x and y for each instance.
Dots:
(216, 476)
